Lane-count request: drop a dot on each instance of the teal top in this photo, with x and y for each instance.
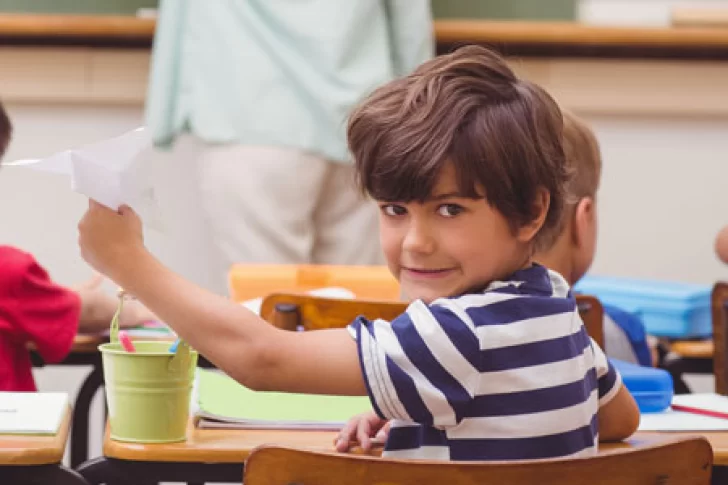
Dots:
(278, 72)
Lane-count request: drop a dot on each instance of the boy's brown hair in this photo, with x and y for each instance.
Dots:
(503, 135)
(6, 130)
(583, 157)
(584, 161)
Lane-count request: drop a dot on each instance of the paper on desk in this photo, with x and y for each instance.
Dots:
(671, 420)
(32, 412)
(110, 171)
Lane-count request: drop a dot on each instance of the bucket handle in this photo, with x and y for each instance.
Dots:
(114, 331)
(181, 356)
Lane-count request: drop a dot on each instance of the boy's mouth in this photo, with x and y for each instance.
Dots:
(427, 272)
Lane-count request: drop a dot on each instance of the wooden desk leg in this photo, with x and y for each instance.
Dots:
(677, 366)
(80, 422)
(720, 475)
(40, 475)
(120, 472)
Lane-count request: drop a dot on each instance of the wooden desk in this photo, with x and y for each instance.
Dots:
(234, 446)
(208, 455)
(218, 455)
(37, 459)
(35, 450)
(84, 352)
(718, 440)
(693, 349)
(217, 445)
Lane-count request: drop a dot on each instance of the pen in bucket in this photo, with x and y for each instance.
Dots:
(173, 347)
(126, 342)
(114, 333)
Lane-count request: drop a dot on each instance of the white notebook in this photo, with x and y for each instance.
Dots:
(690, 412)
(32, 412)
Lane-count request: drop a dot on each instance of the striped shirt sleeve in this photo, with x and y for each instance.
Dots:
(419, 367)
(608, 379)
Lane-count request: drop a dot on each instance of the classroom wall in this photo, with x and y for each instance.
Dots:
(661, 203)
(663, 196)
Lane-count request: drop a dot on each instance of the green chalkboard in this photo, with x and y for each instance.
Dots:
(494, 9)
(505, 9)
(90, 7)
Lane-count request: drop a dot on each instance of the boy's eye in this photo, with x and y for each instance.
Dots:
(449, 210)
(393, 210)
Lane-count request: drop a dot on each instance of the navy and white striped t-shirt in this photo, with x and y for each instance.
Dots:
(506, 374)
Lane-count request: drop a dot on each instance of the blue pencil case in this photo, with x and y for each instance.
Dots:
(650, 387)
(668, 309)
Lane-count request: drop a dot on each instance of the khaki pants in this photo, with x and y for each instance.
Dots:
(225, 204)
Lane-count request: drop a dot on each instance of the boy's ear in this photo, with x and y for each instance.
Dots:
(584, 222)
(541, 204)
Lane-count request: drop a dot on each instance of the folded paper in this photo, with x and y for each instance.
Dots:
(113, 172)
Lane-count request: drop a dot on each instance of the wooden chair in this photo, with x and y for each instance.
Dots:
(289, 311)
(686, 461)
(719, 308)
(592, 313)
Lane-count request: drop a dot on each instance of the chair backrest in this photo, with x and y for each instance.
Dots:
(687, 461)
(592, 313)
(247, 281)
(719, 308)
(289, 311)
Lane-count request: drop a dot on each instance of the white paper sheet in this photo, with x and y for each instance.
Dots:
(32, 412)
(708, 401)
(111, 172)
(671, 420)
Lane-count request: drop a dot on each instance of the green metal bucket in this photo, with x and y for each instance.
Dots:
(147, 391)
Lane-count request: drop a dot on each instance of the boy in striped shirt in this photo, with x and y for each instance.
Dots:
(491, 361)
(528, 401)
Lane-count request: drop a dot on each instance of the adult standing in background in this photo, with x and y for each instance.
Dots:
(260, 91)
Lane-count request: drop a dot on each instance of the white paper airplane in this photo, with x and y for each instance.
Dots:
(112, 172)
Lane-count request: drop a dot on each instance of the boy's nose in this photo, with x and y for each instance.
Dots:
(419, 240)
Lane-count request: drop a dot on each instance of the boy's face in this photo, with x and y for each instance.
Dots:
(449, 244)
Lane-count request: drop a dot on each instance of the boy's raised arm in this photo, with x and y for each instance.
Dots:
(236, 340)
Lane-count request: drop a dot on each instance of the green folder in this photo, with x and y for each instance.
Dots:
(223, 403)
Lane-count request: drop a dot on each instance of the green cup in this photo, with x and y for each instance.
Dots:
(148, 391)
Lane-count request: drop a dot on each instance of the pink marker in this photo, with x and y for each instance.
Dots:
(125, 341)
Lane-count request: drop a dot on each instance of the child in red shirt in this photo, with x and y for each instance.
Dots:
(35, 309)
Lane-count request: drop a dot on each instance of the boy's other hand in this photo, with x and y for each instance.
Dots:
(366, 428)
(108, 239)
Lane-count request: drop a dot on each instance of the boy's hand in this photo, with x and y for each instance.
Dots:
(366, 428)
(108, 239)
